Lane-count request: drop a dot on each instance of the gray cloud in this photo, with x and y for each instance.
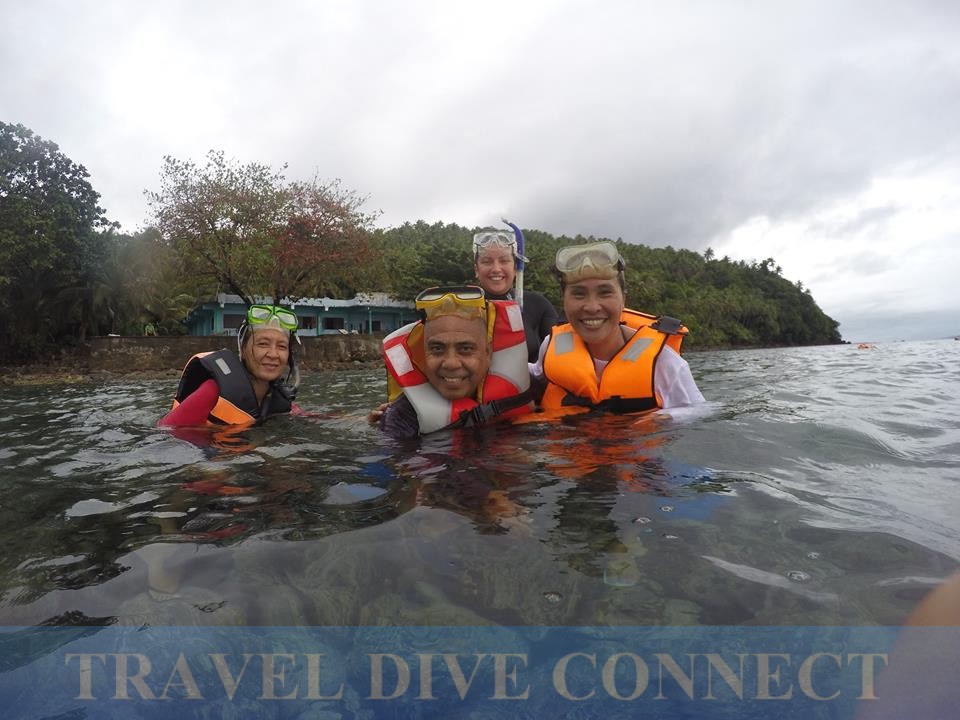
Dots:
(865, 264)
(662, 123)
(675, 146)
(873, 219)
(892, 326)
(665, 128)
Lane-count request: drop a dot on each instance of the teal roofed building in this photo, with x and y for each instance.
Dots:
(365, 313)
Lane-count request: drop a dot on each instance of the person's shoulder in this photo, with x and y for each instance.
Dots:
(401, 404)
(672, 357)
(537, 302)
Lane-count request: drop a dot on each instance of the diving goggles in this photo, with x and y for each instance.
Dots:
(466, 300)
(496, 238)
(593, 260)
(265, 314)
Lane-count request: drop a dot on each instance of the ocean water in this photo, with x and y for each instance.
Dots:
(821, 486)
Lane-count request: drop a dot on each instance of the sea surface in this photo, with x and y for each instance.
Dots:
(819, 486)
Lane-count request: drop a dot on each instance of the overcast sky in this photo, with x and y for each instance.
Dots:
(823, 134)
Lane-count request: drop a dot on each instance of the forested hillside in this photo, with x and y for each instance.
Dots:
(67, 273)
(724, 303)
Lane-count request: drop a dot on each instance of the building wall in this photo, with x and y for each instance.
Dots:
(211, 319)
(130, 354)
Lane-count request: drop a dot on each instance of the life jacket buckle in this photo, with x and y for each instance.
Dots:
(667, 325)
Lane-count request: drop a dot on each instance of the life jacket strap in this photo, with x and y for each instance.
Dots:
(615, 404)
(279, 395)
(480, 414)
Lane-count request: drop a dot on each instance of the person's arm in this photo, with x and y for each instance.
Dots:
(400, 420)
(919, 680)
(673, 381)
(195, 408)
(538, 381)
(373, 417)
(939, 608)
(539, 316)
(536, 368)
(297, 411)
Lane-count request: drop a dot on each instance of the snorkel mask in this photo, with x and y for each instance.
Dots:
(594, 260)
(466, 301)
(271, 316)
(496, 238)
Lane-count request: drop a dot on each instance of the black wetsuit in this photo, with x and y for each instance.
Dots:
(538, 317)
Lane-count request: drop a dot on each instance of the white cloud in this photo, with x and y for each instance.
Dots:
(891, 250)
(819, 133)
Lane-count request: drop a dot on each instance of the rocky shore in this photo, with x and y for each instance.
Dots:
(164, 357)
(61, 374)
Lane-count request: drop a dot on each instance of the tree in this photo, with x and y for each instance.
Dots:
(146, 286)
(724, 303)
(49, 218)
(248, 229)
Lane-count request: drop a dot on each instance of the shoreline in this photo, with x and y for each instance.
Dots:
(63, 371)
(21, 375)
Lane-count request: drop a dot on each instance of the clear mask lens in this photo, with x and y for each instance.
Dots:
(594, 260)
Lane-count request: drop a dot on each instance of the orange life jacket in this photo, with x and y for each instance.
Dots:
(626, 384)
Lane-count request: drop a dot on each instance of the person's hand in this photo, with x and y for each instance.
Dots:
(373, 417)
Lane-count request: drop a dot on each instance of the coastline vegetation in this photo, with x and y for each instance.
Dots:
(68, 273)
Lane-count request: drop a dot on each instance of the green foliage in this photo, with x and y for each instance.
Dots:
(49, 245)
(147, 286)
(724, 303)
(249, 230)
(415, 256)
(66, 274)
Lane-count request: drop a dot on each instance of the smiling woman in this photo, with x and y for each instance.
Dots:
(606, 357)
(495, 260)
(222, 389)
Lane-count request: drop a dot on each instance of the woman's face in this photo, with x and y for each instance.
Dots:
(265, 354)
(593, 308)
(496, 269)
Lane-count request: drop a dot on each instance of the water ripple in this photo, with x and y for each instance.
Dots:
(820, 488)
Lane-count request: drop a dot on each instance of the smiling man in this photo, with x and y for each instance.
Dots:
(457, 355)
(463, 363)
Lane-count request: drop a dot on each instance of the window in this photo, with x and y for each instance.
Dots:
(307, 322)
(332, 323)
(232, 321)
(377, 326)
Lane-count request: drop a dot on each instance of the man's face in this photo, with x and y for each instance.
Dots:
(457, 355)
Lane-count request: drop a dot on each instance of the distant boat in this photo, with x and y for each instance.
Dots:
(867, 346)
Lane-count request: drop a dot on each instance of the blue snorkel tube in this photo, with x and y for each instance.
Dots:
(521, 259)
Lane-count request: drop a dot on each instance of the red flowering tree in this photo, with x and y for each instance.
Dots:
(252, 232)
(322, 247)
